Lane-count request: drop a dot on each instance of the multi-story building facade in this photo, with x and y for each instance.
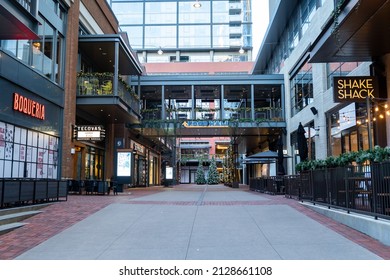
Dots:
(32, 81)
(310, 42)
(67, 101)
(187, 30)
(74, 105)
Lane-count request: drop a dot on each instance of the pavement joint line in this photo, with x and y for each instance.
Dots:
(193, 221)
(124, 231)
(57, 217)
(262, 232)
(200, 200)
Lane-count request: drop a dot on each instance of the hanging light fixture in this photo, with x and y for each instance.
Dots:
(160, 51)
(241, 50)
(197, 4)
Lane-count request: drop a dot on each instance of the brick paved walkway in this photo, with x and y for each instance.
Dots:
(58, 216)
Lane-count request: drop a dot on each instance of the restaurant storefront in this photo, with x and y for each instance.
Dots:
(31, 85)
(30, 129)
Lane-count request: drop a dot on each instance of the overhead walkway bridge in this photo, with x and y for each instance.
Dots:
(247, 108)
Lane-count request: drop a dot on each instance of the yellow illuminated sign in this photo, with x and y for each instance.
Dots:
(356, 89)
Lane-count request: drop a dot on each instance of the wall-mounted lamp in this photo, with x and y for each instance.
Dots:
(36, 45)
(160, 51)
(314, 110)
(241, 51)
(197, 4)
(72, 151)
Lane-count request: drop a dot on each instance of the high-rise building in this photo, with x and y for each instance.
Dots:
(311, 42)
(187, 30)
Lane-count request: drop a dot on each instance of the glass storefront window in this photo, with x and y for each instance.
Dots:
(348, 129)
(153, 170)
(27, 154)
(94, 164)
(57, 67)
(301, 88)
(42, 50)
(195, 154)
(45, 54)
(18, 48)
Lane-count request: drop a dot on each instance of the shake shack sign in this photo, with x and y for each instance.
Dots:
(354, 89)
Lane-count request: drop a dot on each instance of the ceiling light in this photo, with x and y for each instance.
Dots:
(197, 4)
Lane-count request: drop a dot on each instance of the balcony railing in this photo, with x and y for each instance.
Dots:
(27, 4)
(200, 157)
(238, 114)
(101, 84)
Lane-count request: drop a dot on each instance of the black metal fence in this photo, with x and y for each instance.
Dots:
(358, 188)
(92, 187)
(21, 192)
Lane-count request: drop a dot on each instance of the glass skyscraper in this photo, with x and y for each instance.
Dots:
(178, 31)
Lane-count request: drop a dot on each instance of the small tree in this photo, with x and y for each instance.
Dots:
(229, 167)
(213, 173)
(200, 177)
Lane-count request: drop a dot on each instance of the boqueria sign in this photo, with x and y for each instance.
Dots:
(354, 89)
(28, 106)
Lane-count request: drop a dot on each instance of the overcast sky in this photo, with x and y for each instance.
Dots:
(260, 23)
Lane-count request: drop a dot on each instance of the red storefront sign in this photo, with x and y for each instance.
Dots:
(28, 106)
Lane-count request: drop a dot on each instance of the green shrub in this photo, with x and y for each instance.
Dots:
(378, 154)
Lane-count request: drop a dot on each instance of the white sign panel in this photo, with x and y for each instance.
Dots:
(124, 164)
(169, 173)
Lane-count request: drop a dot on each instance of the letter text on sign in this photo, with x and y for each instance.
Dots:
(354, 89)
(28, 106)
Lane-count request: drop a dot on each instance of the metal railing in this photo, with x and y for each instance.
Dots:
(100, 84)
(359, 188)
(22, 192)
(240, 114)
(27, 4)
(200, 157)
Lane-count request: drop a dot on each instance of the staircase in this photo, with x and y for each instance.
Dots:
(12, 218)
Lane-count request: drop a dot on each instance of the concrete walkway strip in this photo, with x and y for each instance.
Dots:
(215, 223)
